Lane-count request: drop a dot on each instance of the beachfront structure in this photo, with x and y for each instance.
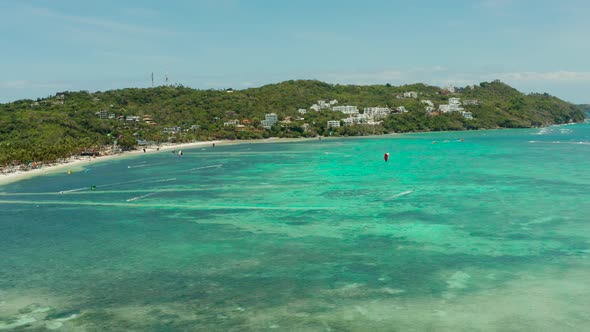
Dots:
(171, 130)
(348, 109)
(467, 115)
(334, 124)
(269, 120)
(302, 111)
(231, 123)
(411, 94)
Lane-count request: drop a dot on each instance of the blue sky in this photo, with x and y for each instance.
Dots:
(57, 45)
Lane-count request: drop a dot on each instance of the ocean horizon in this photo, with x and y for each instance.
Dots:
(457, 231)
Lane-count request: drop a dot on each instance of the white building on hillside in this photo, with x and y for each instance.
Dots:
(401, 109)
(323, 104)
(443, 108)
(427, 102)
(346, 109)
(411, 94)
(102, 114)
(377, 113)
(302, 110)
(231, 123)
(269, 120)
(455, 105)
(467, 115)
(333, 124)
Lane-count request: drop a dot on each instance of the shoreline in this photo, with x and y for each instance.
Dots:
(78, 162)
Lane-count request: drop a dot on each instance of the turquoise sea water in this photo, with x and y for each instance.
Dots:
(486, 234)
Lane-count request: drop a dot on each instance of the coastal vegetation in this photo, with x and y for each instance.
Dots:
(70, 123)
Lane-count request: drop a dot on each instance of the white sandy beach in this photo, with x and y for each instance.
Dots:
(77, 163)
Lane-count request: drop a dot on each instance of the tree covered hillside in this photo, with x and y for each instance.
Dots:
(70, 122)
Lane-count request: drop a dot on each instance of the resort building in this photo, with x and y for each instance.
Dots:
(467, 115)
(444, 108)
(346, 109)
(323, 104)
(334, 124)
(171, 130)
(411, 94)
(377, 113)
(102, 114)
(269, 120)
(455, 105)
(427, 102)
(231, 123)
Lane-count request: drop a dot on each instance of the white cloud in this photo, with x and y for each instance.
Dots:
(92, 21)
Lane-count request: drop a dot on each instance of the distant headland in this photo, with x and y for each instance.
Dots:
(74, 123)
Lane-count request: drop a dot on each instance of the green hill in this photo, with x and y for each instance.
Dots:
(58, 126)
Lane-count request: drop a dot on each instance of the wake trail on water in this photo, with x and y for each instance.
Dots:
(118, 184)
(131, 191)
(206, 167)
(407, 192)
(140, 197)
(145, 165)
(177, 206)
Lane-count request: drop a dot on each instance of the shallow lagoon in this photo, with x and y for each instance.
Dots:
(489, 233)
